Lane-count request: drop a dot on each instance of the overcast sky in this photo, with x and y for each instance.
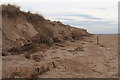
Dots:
(97, 16)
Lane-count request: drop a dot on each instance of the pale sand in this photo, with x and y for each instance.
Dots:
(93, 61)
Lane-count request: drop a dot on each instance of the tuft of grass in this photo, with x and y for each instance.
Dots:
(12, 11)
(65, 38)
(18, 50)
(34, 18)
(27, 56)
(79, 48)
(14, 49)
(27, 47)
(76, 35)
(47, 30)
(56, 40)
(42, 39)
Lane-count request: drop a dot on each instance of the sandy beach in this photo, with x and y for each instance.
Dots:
(73, 59)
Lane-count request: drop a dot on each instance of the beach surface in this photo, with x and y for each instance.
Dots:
(73, 59)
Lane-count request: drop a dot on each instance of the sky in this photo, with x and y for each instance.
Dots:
(97, 16)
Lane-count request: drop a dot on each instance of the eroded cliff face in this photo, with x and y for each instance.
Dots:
(20, 28)
(17, 32)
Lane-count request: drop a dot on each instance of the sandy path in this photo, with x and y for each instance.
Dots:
(80, 59)
(96, 61)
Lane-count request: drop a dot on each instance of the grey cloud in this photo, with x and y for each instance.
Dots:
(64, 19)
(76, 15)
(105, 23)
(95, 27)
(86, 16)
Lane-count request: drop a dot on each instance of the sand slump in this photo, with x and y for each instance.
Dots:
(27, 70)
(16, 32)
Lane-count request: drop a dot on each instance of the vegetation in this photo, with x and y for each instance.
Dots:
(42, 39)
(14, 49)
(76, 35)
(56, 39)
(11, 11)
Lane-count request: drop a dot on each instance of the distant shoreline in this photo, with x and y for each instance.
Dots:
(107, 34)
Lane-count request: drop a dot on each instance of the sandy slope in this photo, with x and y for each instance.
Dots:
(80, 59)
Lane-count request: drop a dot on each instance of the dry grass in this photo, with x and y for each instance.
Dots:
(27, 47)
(76, 35)
(12, 11)
(27, 56)
(21, 72)
(37, 57)
(24, 48)
(28, 71)
(56, 40)
(79, 48)
(42, 39)
(14, 49)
